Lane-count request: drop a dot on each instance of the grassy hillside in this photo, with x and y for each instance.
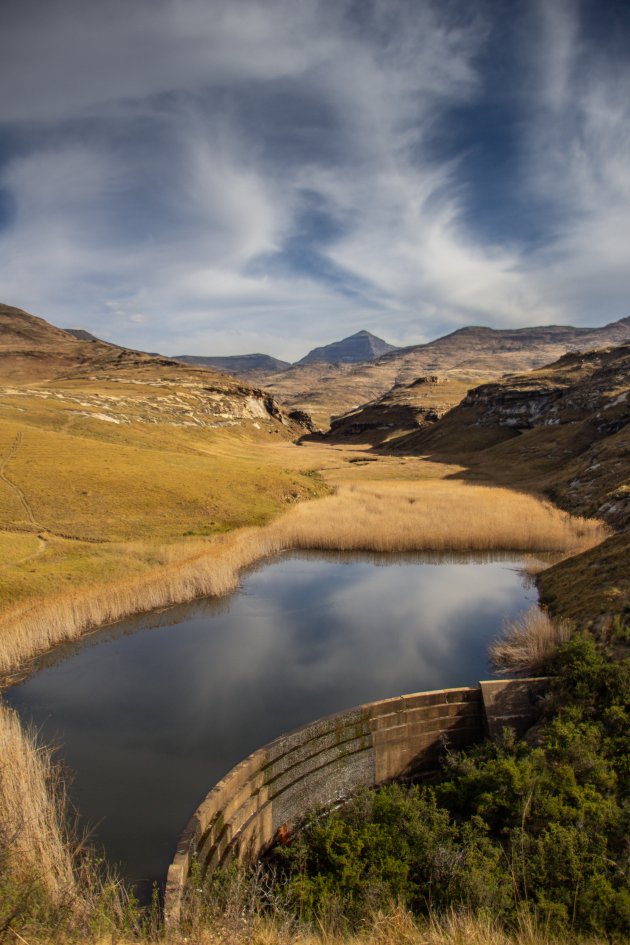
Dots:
(108, 456)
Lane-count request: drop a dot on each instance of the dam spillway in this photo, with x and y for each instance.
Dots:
(323, 762)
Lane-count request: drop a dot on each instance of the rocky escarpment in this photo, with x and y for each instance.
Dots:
(577, 386)
(563, 430)
(582, 404)
(405, 407)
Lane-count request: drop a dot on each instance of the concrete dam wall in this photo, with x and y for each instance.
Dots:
(327, 760)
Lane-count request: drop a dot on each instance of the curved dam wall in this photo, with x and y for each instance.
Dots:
(327, 760)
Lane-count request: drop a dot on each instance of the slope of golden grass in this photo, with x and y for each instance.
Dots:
(76, 486)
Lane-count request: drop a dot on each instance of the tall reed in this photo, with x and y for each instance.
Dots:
(33, 834)
(527, 642)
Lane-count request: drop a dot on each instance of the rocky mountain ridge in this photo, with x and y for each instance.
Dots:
(465, 358)
(237, 364)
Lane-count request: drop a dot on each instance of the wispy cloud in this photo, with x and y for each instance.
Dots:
(204, 174)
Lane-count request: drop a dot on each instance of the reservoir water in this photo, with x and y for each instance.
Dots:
(150, 713)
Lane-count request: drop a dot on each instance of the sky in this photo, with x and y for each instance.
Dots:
(231, 176)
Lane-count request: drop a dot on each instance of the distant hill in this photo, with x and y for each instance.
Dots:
(468, 356)
(81, 334)
(238, 363)
(359, 347)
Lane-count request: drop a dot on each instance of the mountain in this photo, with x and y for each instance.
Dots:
(563, 430)
(359, 347)
(238, 364)
(465, 358)
(19, 328)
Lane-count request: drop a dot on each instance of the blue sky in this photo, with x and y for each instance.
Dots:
(226, 176)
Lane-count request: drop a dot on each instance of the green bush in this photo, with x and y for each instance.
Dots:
(509, 828)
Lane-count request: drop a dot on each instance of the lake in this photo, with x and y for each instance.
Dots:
(151, 712)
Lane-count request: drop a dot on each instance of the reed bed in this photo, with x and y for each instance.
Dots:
(437, 516)
(434, 516)
(34, 847)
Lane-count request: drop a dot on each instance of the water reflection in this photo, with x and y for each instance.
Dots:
(152, 712)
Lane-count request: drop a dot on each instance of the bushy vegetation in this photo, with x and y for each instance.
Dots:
(510, 829)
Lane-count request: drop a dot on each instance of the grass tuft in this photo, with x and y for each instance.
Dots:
(527, 642)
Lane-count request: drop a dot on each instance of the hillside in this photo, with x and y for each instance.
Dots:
(563, 430)
(119, 385)
(467, 357)
(101, 447)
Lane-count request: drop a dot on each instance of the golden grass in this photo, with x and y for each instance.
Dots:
(15, 546)
(395, 927)
(528, 641)
(83, 488)
(33, 839)
(439, 516)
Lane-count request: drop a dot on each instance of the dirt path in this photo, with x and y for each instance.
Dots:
(41, 548)
(11, 454)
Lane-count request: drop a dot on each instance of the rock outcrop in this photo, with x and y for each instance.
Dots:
(563, 430)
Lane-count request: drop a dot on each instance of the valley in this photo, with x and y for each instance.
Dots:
(131, 482)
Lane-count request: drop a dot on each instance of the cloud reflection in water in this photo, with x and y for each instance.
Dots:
(150, 719)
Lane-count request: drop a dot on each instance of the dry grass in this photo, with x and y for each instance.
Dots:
(527, 642)
(33, 838)
(88, 488)
(437, 516)
(394, 927)
(245, 908)
(402, 516)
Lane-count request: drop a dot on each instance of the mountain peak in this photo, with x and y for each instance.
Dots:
(362, 346)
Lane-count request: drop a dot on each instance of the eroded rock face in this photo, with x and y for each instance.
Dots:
(404, 408)
(304, 419)
(578, 386)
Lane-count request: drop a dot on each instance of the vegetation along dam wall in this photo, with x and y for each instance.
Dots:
(263, 796)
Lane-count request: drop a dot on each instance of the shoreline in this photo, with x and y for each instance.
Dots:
(215, 566)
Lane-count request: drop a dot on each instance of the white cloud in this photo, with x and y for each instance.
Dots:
(166, 148)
